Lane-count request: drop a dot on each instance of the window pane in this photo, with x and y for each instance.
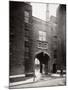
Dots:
(42, 36)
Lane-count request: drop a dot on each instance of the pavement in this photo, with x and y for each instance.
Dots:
(41, 81)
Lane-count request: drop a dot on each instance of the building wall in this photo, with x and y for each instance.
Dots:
(24, 39)
(21, 61)
(38, 25)
(61, 33)
(49, 28)
(53, 39)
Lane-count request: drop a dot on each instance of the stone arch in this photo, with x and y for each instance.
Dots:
(43, 57)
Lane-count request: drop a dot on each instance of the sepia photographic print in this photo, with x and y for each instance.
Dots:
(37, 44)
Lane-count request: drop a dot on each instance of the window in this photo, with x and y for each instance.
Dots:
(26, 16)
(42, 36)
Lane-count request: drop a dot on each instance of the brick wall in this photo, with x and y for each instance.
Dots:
(18, 62)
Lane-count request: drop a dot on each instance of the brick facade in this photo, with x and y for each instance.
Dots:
(20, 38)
(61, 36)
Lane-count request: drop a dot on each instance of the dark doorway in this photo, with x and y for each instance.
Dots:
(54, 68)
(43, 59)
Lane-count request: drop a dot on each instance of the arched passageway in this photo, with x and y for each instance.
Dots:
(43, 61)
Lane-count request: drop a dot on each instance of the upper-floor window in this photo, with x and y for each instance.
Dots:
(26, 16)
(42, 36)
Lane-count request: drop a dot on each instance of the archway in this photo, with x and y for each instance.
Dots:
(43, 59)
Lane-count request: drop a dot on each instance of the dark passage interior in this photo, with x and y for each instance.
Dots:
(43, 58)
(54, 68)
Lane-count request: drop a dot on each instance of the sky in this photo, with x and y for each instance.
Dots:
(39, 10)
